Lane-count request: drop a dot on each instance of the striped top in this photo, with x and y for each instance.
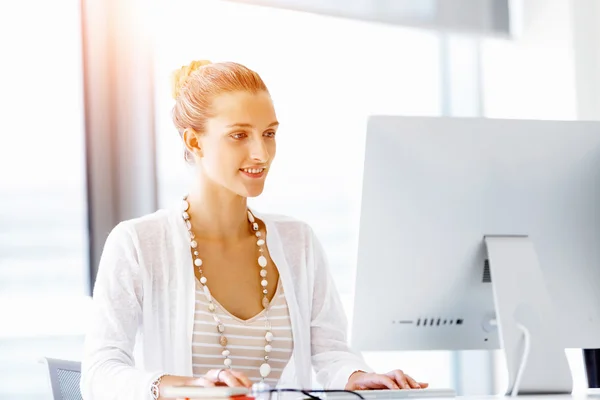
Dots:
(246, 338)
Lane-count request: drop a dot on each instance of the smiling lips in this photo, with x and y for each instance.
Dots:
(253, 172)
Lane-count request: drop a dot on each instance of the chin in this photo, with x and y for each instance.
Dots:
(247, 190)
(253, 193)
(250, 189)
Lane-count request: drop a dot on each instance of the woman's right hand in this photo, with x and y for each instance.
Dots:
(228, 377)
(214, 377)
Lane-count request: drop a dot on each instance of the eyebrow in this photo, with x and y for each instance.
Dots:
(243, 125)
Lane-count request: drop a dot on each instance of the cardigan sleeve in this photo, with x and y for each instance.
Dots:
(108, 370)
(332, 358)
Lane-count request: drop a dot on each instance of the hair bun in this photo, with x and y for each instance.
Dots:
(180, 76)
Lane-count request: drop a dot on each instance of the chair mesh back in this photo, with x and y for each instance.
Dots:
(69, 384)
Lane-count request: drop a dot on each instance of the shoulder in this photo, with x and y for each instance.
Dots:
(290, 230)
(149, 229)
(151, 224)
(286, 225)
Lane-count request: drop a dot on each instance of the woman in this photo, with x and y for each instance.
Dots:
(216, 293)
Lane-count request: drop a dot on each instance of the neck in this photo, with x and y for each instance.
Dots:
(218, 214)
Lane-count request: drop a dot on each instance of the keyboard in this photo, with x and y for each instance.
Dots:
(395, 394)
(227, 393)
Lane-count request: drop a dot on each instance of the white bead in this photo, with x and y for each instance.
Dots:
(226, 353)
(216, 318)
(227, 362)
(198, 262)
(221, 328)
(260, 242)
(263, 272)
(265, 291)
(258, 234)
(265, 370)
(255, 226)
(211, 307)
(264, 283)
(188, 224)
(207, 293)
(194, 244)
(186, 215)
(265, 302)
(262, 261)
(185, 205)
(268, 348)
(269, 336)
(250, 216)
(203, 280)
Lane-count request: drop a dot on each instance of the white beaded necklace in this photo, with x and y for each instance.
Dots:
(265, 368)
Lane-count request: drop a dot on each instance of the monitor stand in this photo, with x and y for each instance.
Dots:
(527, 326)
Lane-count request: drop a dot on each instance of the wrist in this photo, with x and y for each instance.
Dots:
(353, 377)
(155, 387)
(173, 380)
(357, 373)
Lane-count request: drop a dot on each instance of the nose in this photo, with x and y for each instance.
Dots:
(258, 151)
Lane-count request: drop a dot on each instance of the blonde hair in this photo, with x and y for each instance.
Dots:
(196, 85)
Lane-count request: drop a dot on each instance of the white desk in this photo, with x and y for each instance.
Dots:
(577, 396)
(593, 394)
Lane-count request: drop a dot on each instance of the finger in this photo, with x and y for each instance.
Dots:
(217, 377)
(412, 383)
(401, 379)
(242, 378)
(213, 375)
(424, 384)
(204, 382)
(229, 379)
(383, 380)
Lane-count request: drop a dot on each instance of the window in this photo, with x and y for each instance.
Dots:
(326, 75)
(43, 232)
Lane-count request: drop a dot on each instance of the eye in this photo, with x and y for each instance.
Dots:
(270, 134)
(239, 135)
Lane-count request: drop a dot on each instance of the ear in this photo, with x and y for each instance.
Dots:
(190, 139)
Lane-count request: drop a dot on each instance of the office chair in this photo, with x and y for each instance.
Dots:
(64, 378)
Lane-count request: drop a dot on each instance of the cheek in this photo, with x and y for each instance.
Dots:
(272, 146)
(224, 161)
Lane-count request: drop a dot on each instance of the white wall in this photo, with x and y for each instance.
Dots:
(533, 76)
(586, 40)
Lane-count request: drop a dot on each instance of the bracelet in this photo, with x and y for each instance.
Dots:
(154, 387)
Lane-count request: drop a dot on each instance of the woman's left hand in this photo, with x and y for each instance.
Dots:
(395, 379)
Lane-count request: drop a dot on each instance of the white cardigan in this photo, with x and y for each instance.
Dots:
(144, 303)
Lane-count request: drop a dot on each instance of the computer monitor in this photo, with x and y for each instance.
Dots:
(481, 234)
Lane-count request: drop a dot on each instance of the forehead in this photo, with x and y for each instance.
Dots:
(243, 107)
